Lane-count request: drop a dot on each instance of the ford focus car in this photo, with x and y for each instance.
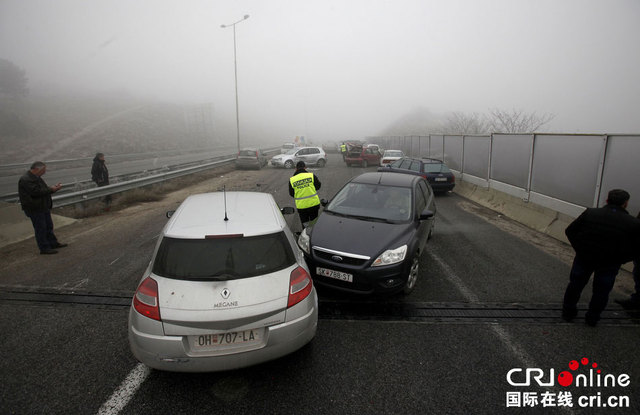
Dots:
(370, 236)
(227, 287)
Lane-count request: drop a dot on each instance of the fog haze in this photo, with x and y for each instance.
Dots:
(334, 69)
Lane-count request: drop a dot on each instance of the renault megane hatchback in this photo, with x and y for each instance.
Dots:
(227, 287)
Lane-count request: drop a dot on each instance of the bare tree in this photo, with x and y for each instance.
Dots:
(515, 121)
(461, 123)
(13, 80)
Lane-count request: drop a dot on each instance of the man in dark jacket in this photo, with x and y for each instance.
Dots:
(99, 171)
(35, 198)
(303, 187)
(604, 239)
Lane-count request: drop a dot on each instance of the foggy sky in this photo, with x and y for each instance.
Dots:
(330, 69)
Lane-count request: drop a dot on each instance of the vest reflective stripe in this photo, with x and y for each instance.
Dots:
(305, 193)
(343, 148)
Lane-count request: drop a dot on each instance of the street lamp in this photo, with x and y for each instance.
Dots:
(235, 69)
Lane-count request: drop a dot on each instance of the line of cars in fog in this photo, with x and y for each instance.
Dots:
(230, 285)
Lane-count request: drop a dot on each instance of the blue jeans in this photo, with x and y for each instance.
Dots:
(43, 226)
(604, 276)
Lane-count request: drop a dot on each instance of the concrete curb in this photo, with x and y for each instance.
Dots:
(16, 227)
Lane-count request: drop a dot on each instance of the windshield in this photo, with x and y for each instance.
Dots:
(373, 202)
(393, 154)
(292, 151)
(222, 258)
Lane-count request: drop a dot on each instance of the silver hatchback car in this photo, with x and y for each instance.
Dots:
(227, 287)
(312, 156)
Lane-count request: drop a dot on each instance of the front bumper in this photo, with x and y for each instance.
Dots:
(388, 279)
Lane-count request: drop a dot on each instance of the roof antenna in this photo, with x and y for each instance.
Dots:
(224, 190)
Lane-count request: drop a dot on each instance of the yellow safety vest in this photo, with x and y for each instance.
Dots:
(343, 148)
(305, 193)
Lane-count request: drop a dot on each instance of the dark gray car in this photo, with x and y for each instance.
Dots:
(370, 236)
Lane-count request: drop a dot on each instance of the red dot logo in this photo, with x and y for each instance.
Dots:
(573, 365)
(585, 361)
(565, 378)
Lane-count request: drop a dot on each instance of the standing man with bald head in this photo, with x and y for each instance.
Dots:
(35, 198)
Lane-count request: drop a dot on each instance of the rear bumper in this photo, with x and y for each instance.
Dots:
(171, 353)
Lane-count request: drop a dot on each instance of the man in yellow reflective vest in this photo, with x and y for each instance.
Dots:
(343, 150)
(303, 187)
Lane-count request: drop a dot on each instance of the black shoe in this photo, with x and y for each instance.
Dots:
(629, 304)
(48, 252)
(59, 245)
(568, 316)
(591, 322)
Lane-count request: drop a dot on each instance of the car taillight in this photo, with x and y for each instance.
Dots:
(453, 178)
(145, 301)
(300, 285)
(256, 154)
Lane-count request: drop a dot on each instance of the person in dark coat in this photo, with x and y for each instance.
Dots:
(633, 302)
(35, 198)
(99, 171)
(604, 239)
(303, 187)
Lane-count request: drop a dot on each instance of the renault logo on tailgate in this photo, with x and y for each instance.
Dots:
(225, 293)
(336, 258)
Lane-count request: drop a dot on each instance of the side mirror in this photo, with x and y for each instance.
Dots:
(324, 202)
(170, 213)
(427, 214)
(287, 210)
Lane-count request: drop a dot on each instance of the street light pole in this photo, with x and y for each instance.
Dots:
(235, 71)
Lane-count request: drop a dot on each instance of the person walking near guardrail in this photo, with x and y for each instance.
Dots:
(303, 187)
(35, 198)
(604, 239)
(100, 174)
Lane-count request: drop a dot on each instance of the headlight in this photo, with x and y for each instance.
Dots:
(304, 241)
(392, 256)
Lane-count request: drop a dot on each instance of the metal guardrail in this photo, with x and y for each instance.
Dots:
(99, 192)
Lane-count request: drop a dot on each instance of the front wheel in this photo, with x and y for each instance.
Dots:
(288, 164)
(412, 276)
(321, 163)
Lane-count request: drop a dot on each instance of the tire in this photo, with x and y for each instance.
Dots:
(288, 164)
(412, 276)
(365, 164)
(321, 163)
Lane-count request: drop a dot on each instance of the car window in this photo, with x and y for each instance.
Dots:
(371, 201)
(435, 168)
(314, 151)
(415, 166)
(396, 163)
(292, 151)
(426, 189)
(247, 153)
(405, 164)
(233, 257)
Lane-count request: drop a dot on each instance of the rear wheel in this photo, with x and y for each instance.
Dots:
(288, 164)
(365, 164)
(412, 276)
(321, 163)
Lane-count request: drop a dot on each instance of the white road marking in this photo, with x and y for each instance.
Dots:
(125, 391)
(80, 283)
(114, 261)
(519, 351)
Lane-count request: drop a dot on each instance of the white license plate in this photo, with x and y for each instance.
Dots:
(441, 179)
(342, 276)
(226, 340)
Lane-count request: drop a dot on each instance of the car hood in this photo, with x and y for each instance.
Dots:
(358, 236)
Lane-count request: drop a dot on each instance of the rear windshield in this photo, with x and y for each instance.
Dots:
(251, 153)
(222, 259)
(435, 168)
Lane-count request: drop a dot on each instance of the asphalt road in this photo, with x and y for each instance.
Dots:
(487, 301)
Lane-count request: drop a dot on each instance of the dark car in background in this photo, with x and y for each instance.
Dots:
(439, 176)
(370, 236)
(251, 158)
